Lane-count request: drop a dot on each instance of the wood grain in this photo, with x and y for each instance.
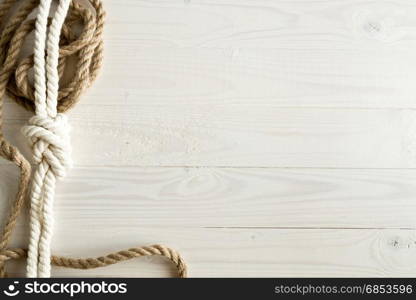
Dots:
(244, 252)
(258, 84)
(224, 197)
(285, 53)
(260, 138)
(235, 136)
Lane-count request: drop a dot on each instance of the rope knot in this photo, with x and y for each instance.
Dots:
(49, 138)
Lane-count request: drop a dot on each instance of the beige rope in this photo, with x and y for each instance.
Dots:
(103, 261)
(87, 48)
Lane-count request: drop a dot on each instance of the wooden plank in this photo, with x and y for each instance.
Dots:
(285, 53)
(235, 135)
(292, 90)
(214, 197)
(283, 77)
(262, 23)
(247, 103)
(242, 252)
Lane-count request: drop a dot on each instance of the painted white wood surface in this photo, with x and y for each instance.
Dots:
(246, 252)
(258, 137)
(235, 197)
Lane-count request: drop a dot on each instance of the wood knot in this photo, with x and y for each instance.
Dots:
(379, 23)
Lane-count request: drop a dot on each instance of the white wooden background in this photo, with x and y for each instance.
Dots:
(257, 137)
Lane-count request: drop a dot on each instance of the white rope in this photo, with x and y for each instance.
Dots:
(48, 132)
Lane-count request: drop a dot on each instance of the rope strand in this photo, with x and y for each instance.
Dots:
(87, 48)
(107, 260)
(48, 133)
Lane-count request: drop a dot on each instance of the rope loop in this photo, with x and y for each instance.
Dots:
(83, 49)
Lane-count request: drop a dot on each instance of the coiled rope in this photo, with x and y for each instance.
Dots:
(47, 129)
(87, 48)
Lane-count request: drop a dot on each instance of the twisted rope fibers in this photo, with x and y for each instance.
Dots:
(109, 259)
(88, 48)
(48, 133)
